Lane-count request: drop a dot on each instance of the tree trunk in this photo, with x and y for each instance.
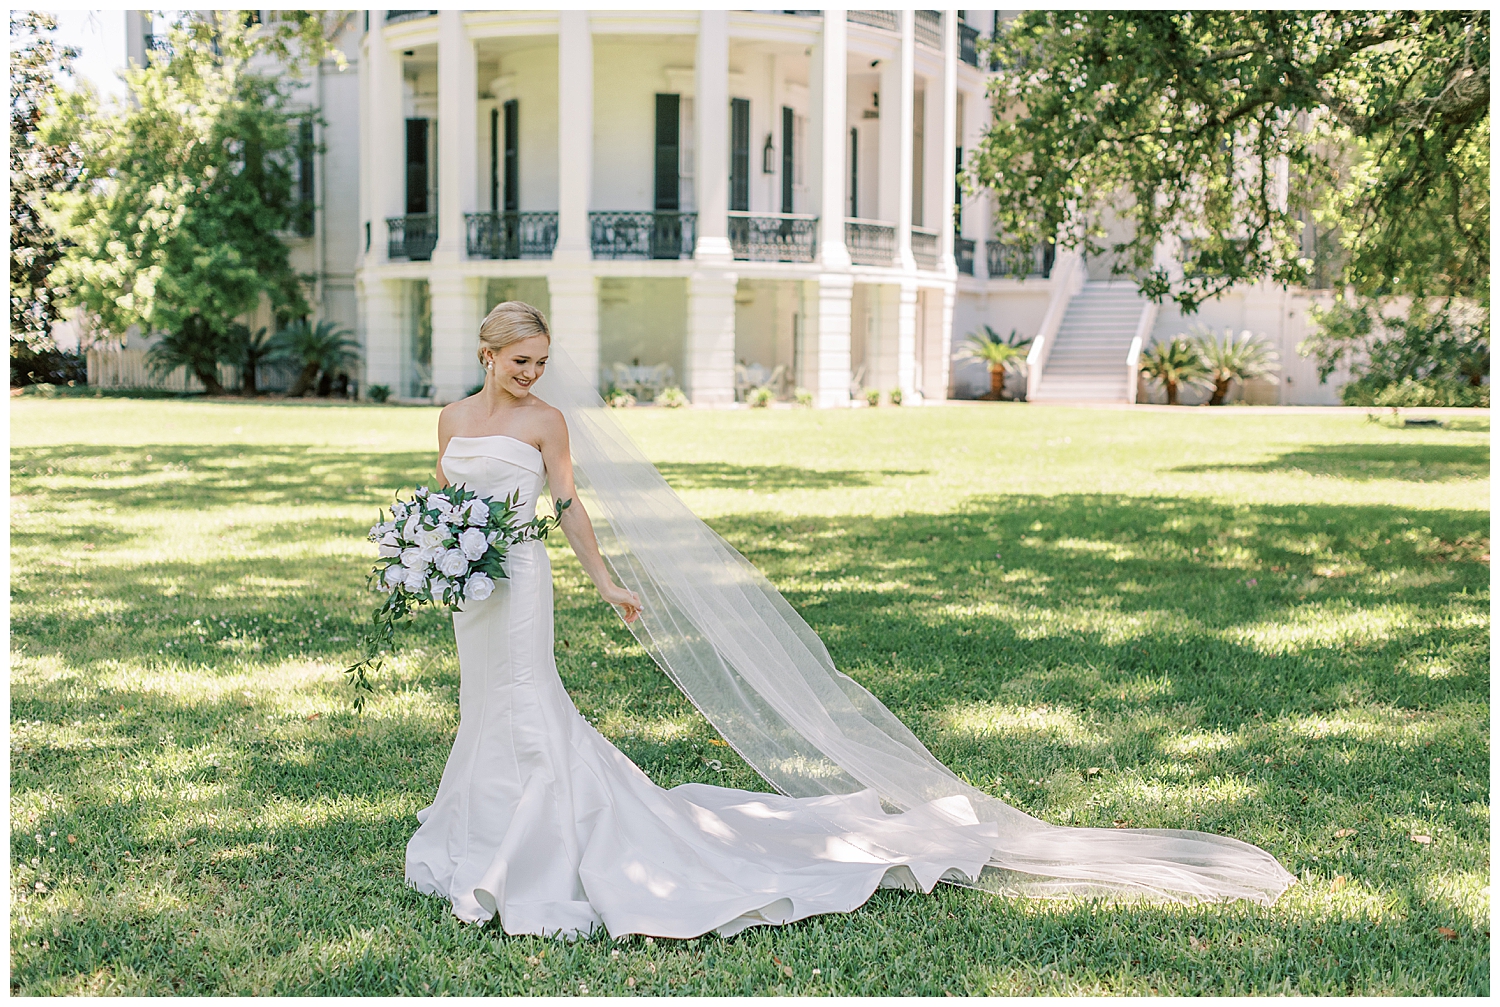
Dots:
(997, 383)
(304, 382)
(209, 375)
(247, 379)
(1221, 391)
(1171, 392)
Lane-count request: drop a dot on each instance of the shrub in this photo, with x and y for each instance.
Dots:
(802, 397)
(760, 398)
(872, 396)
(1002, 355)
(45, 366)
(671, 397)
(895, 396)
(619, 400)
(1233, 358)
(1409, 392)
(378, 393)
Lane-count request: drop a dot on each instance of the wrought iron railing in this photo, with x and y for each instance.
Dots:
(924, 247)
(397, 16)
(963, 254)
(869, 243)
(1006, 260)
(642, 234)
(929, 28)
(412, 236)
(773, 237)
(890, 20)
(968, 44)
(512, 235)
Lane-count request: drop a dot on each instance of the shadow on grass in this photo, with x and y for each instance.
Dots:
(1425, 462)
(1110, 632)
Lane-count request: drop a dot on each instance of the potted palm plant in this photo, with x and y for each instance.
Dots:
(1234, 358)
(1000, 354)
(1175, 363)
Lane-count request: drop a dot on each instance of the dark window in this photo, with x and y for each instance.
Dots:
(416, 166)
(512, 155)
(739, 154)
(854, 173)
(306, 180)
(958, 189)
(788, 133)
(494, 160)
(668, 146)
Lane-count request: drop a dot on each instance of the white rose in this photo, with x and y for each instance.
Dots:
(388, 550)
(398, 512)
(420, 493)
(479, 587)
(453, 563)
(412, 558)
(440, 587)
(395, 575)
(440, 504)
(431, 538)
(473, 543)
(416, 580)
(389, 538)
(478, 512)
(413, 523)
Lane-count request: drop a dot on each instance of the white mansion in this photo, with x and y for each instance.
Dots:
(742, 197)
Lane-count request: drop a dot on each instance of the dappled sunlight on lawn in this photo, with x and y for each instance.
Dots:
(1272, 628)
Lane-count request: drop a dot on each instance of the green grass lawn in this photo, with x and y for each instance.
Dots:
(1269, 626)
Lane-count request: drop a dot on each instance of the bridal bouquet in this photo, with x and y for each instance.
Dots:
(441, 547)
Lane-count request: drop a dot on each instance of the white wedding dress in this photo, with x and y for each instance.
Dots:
(543, 822)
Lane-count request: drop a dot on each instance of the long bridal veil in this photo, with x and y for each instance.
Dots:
(761, 676)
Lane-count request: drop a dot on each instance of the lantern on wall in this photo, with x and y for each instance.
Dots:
(768, 156)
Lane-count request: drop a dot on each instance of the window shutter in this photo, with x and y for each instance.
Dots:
(416, 165)
(788, 160)
(739, 154)
(512, 155)
(668, 151)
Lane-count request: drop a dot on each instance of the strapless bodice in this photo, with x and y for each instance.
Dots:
(496, 466)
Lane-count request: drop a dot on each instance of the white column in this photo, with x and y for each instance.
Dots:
(575, 142)
(710, 349)
(830, 370)
(711, 103)
(946, 262)
(906, 338)
(382, 323)
(938, 370)
(458, 151)
(386, 146)
(832, 250)
(908, 85)
(455, 333)
(575, 318)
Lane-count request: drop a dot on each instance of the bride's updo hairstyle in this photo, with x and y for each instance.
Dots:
(510, 322)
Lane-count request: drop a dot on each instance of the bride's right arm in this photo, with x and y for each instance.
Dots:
(575, 521)
(446, 423)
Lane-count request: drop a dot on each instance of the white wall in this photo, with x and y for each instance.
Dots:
(628, 74)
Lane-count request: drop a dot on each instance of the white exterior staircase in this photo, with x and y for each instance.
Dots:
(1093, 356)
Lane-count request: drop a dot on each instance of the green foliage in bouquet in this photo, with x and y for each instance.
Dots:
(441, 547)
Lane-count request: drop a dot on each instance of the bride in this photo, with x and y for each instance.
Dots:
(541, 821)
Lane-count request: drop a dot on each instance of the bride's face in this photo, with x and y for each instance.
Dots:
(518, 366)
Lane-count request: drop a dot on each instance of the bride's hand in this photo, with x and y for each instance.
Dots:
(628, 602)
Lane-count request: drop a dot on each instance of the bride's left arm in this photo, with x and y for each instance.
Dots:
(575, 523)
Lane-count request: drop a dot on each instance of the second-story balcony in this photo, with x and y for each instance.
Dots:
(1007, 261)
(511, 235)
(963, 255)
(773, 237)
(870, 242)
(924, 248)
(659, 234)
(968, 44)
(412, 236)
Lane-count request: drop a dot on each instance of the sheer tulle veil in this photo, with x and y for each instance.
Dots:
(744, 657)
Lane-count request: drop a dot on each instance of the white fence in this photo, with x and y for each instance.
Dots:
(116, 367)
